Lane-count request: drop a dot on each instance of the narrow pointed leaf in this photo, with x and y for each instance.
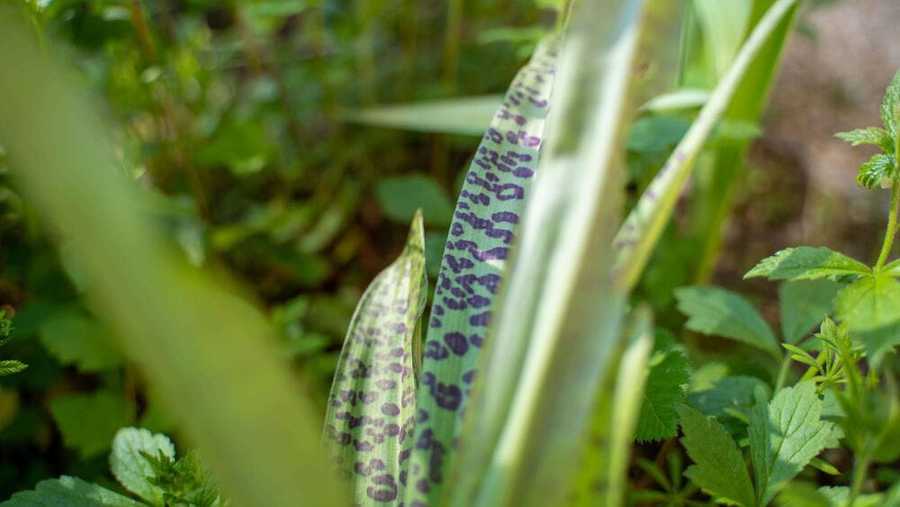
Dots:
(371, 408)
(460, 115)
(641, 230)
(557, 323)
(481, 234)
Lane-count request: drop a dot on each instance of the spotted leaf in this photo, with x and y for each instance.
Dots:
(371, 408)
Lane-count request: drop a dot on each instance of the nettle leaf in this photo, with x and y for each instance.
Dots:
(665, 390)
(807, 263)
(131, 468)
(726, 395)
(785, 435)
(400, 197)
(68, 492)
(88, 422)
(720, 312)
(877, 171)
(889, 105)
(871, 135)
(481, 234)
(74, 337)
(871, 309)
(719, 466)
(371, 407)
(803, 305)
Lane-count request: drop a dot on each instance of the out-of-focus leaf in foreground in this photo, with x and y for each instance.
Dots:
(481, 234)
(557, 323)
(371, 408)
(208, 353)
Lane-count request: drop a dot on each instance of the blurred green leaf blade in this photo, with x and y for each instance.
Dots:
(719, 312)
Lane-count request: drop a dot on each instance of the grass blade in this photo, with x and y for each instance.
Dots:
(486, 214)
(645, 223)
(371, 408)
(207, 352)
(554, 336)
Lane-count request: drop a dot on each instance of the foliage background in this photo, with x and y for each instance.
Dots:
(237, 114)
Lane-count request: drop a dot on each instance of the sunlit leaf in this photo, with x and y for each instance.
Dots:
(69, 492)
(463, 115)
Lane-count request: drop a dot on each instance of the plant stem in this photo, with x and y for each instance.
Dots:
(860, 467)
(891, 228)
(783, 371)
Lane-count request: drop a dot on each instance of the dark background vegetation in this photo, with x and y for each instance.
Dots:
(234, 114)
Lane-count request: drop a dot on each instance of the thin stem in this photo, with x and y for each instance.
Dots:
(860, 467)
(891, 227)
(783, 372)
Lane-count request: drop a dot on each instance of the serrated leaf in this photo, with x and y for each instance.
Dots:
(877, 171)
(371, 407)
(459, 115)
(785, 435)
(803, 305)
(807, 263)
(719, 312)
(871, 309)
(664, 391)
(870, 135)
(401, 196)
(719, 466)
(727, 395)
(68, 492)
(473, 263)
(74, 337)
(88, 422)
(889, 106)
(131, 468)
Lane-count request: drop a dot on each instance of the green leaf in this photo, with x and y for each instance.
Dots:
(798, 494)
(719, 466)
(73, 337)
(88, 422)
(718, 312)
(665, 390)
(726, 395)
(131, 468)
(473, 263)
(889, 105)
(803, 305)
(785, 435)
(871, 135)
(68, 492)
(807, 263)
(686, 98)
(723, 30)
(871, 309)
(10, 366)
(460, 115)
(879, 170)
(371, 408)
(401, 196)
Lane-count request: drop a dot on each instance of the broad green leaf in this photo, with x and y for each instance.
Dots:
(878, 171)
(719, 466)
(718, 312)
(665, 390)
(645, 223)
(803, 305)
(88, 422)
(807, 263)
(473, 263)
(557, 324)
(131, 468)
(871, 309)
(799, 494)
(723, 30)
(461, 115)
(68, 492)
(872, 135)
(190, 334)
(401, 196)
(785, 435)
(74, 337)
(372, 407)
